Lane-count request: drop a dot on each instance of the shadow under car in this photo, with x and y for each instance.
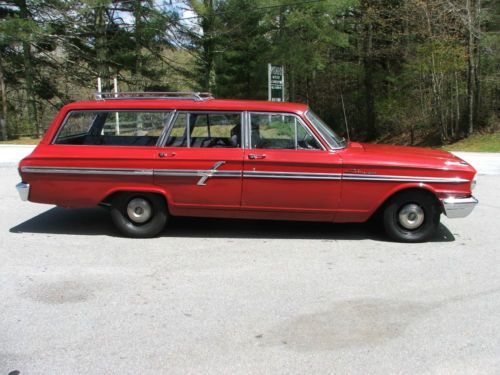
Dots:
(96, 221)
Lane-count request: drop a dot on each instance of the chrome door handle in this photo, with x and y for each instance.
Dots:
(256, 156)
(166, 154)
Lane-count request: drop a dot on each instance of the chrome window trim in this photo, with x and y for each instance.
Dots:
(282, 114)
(246, 130)
(334, 148)
(63, 124)
(163, 137)
(67, 116)
(188, 112)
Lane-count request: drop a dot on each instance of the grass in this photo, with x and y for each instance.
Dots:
(21, 141)
(478, 143)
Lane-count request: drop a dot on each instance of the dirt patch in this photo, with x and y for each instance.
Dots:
(348, 323)
(60, 292)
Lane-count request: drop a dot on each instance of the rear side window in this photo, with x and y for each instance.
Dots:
(207, 130)
(113, 128)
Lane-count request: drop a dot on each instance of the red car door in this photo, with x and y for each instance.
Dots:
(201, 162)
(287, 170)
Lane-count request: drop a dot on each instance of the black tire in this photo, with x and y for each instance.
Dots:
(152, 225)
(399, 226)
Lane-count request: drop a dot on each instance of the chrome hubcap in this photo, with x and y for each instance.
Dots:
(411, 216)
(139, 210)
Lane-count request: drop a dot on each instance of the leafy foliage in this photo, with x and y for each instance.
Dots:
(411, 70)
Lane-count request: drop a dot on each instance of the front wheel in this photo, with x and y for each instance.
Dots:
(139, 215)
(411, 216)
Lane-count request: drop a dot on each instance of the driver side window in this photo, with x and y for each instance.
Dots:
(280, 131)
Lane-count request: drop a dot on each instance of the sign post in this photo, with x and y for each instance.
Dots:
(276, 83)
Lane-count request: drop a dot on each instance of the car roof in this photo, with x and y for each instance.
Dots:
(183, 104)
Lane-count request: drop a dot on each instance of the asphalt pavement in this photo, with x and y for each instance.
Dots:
(235, 297)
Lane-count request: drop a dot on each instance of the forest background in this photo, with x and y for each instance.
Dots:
(408, 71)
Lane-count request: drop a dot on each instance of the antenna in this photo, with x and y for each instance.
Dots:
(345, 118)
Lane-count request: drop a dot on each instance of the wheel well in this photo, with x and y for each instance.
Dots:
(109, 199)
(427, 192)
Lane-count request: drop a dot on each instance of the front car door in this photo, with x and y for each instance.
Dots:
(287, 171)
(201, 163)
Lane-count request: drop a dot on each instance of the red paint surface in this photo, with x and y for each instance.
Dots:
(321, 200)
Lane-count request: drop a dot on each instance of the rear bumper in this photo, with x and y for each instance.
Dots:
(458, 207)
(24, 190)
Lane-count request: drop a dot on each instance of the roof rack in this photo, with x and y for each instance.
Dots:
(179, 95)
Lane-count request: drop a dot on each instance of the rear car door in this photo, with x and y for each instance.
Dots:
(201, 161)
(97, 151)
(287, 169)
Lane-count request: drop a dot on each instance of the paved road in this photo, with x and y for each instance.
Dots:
(226, 297)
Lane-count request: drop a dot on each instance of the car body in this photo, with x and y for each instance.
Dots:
(151, 156)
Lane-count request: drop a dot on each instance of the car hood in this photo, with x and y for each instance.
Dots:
(387, 156)
(397, 151)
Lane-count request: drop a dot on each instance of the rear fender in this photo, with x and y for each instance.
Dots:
(106, 199)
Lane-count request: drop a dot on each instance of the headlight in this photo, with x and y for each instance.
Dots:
(473, 183)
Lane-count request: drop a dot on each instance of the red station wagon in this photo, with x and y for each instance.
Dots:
(151, 155)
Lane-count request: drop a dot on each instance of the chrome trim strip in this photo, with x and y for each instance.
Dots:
(293, 175)
(394, 178)
(98, 171)
(166, 129)
(132, 172)
(24, 190)
(207, 174)
(177, 172)
(238, 173)
(194, 173)
(458, 207)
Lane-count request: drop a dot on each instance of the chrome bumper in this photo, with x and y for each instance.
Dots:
(24, 190)
(458, 207)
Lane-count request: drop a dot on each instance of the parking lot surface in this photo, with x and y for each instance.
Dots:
(226, 296)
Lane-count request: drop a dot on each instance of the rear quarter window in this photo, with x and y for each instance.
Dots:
(113, 128)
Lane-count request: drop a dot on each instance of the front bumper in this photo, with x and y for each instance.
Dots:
(458, 207)
(24, 190)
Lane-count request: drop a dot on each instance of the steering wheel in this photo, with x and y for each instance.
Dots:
(305, 141)
(219, 142)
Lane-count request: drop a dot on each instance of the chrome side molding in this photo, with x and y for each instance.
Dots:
(206, 175)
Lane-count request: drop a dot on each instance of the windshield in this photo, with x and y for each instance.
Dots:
(334, 140)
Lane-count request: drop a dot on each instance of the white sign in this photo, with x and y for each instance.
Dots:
(276, 83)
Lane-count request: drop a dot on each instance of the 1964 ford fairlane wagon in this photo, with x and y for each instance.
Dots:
(148, 156)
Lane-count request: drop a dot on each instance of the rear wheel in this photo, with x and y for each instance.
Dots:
(139, 215)
(411, 216)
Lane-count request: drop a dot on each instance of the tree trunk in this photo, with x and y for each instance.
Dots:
(207, 45)
(28, 73)
(368, 82)
(471, 68)
(100, 47)
(477, 50)
(3, 118)
(137, 72)
(457, 105)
